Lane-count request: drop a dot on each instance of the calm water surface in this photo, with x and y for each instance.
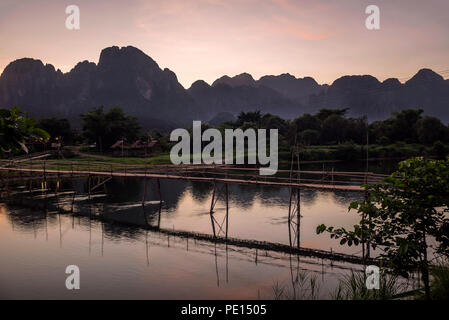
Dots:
(119, 259)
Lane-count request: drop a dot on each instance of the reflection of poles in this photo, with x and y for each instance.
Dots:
(57, 189)
(90, 234)
(143, 199)
(227, 210)
(102, 237)
(45, 185)
(225, 220)
(60, 232)
(88, 196)
(298, 216)
(159, 190)
(294, 214)
(57, 195)
(146, 246)
(158, 182)
(216, 265)
(289, 216)
(294, 208)
(159, 216)
(46, 226)
(144, 190)
(212, 204)
(227, 269)
(293, 280)
(74, 189)
(34, 228)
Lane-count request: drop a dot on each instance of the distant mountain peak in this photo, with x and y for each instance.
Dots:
(124, 55)
(128, 77)
(242, 79)
(391, 82)
(425, 75)
(290, 86)
(199, 84)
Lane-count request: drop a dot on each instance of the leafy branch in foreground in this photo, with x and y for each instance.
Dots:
(405, 216)
(16, 130)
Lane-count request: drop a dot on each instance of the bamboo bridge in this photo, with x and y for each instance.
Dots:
(34, 168)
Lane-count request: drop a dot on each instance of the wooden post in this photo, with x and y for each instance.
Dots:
(45, 185)
(144, 189)
(289, 220)
(213, 199)
(74, 188)
(159, 216)
(159, 190)
(227, 210)
(298, 204)
(298, 216)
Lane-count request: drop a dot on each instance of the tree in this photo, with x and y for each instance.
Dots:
(254, 116)
(401, 215)
(105, 128)
(335, 129)
(270, 121)
(306, 122)
(16, 130)
(309, 137)
(323, 114)
(431, 129)
(57, 128)
(404, 125)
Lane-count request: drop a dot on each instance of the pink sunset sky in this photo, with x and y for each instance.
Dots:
(205, 39)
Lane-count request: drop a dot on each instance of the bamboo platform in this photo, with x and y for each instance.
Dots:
(188, 174)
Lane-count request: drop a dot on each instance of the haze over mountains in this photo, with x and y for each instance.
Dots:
(129, 78)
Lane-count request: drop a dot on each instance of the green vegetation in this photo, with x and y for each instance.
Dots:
(327, 135)
(105, 128)
(401, 215)
(17, 131)
(57, 129)
(439, 286)
(353, 287)
(330, 135)
(304, 287)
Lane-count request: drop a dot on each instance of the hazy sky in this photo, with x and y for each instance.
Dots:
(205, 39)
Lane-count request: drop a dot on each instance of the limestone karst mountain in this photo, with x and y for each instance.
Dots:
(129, 78)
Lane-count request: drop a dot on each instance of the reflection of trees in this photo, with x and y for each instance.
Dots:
(243, 195)
(345, 198)
(29, 219)
(201, 191)
(172, 191)
(124, 189)
(121, 232)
